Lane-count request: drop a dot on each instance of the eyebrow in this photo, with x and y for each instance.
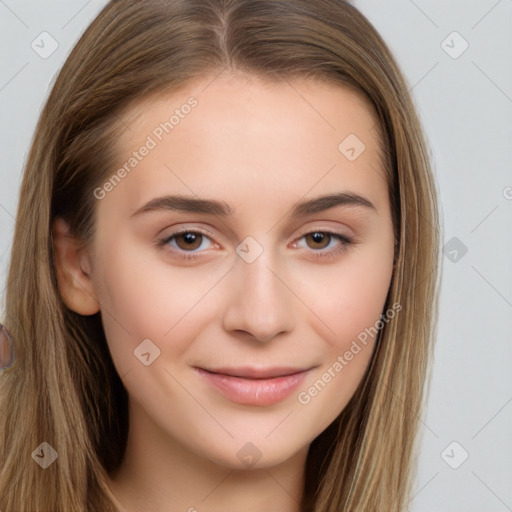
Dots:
(302, 208)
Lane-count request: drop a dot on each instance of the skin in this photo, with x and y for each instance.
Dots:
(260, 147)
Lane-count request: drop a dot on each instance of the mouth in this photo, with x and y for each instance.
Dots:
(254, 386)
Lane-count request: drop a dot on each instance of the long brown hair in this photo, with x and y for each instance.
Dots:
(63, 388)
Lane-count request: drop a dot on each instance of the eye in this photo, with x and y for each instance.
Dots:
(319, 239)
(187, 241)
(326, 243)
(189, 244)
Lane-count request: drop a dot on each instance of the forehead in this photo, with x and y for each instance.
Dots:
(322, 107)
(239, 135)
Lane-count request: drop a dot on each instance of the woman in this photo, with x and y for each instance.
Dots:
(223, 286)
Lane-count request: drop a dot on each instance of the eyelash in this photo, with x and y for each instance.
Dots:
(346, 242)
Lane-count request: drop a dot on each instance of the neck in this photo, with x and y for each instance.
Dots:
(159, 474)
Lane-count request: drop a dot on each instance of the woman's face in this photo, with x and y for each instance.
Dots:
(240, 260)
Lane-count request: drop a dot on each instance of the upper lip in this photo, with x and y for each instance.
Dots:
(247, 372)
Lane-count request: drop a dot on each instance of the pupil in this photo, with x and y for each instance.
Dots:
(189, 240)
(319, 238)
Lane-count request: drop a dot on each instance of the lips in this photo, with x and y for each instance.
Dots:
(246, 372)
(254, 386)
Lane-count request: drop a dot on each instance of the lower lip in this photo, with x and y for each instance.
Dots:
(254, 391)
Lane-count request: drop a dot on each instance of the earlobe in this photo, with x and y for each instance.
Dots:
(73, 271)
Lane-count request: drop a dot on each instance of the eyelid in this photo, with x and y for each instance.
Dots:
(164, 239)
(185, 229)
(323, 229)
(344, 239)
(326, 255)
(338, 231)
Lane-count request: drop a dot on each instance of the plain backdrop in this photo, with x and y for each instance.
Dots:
(457, 59)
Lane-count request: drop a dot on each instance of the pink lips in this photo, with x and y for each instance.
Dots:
(251, 386)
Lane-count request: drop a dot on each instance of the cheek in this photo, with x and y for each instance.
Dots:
(360, 299)
(348, 297)
(348, 303)
(141, 301)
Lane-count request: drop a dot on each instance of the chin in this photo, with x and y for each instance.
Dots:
(243, 454)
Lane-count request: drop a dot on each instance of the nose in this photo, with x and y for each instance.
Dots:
(259, 305)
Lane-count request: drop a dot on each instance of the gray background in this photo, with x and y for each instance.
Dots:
(465, 102)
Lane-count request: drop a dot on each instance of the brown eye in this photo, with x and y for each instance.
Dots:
(186, 244)
(318, 239)
(188, 240)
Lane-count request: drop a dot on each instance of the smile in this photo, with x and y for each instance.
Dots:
(248, 386)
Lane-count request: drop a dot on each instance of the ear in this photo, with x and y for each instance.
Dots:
(73, 271)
